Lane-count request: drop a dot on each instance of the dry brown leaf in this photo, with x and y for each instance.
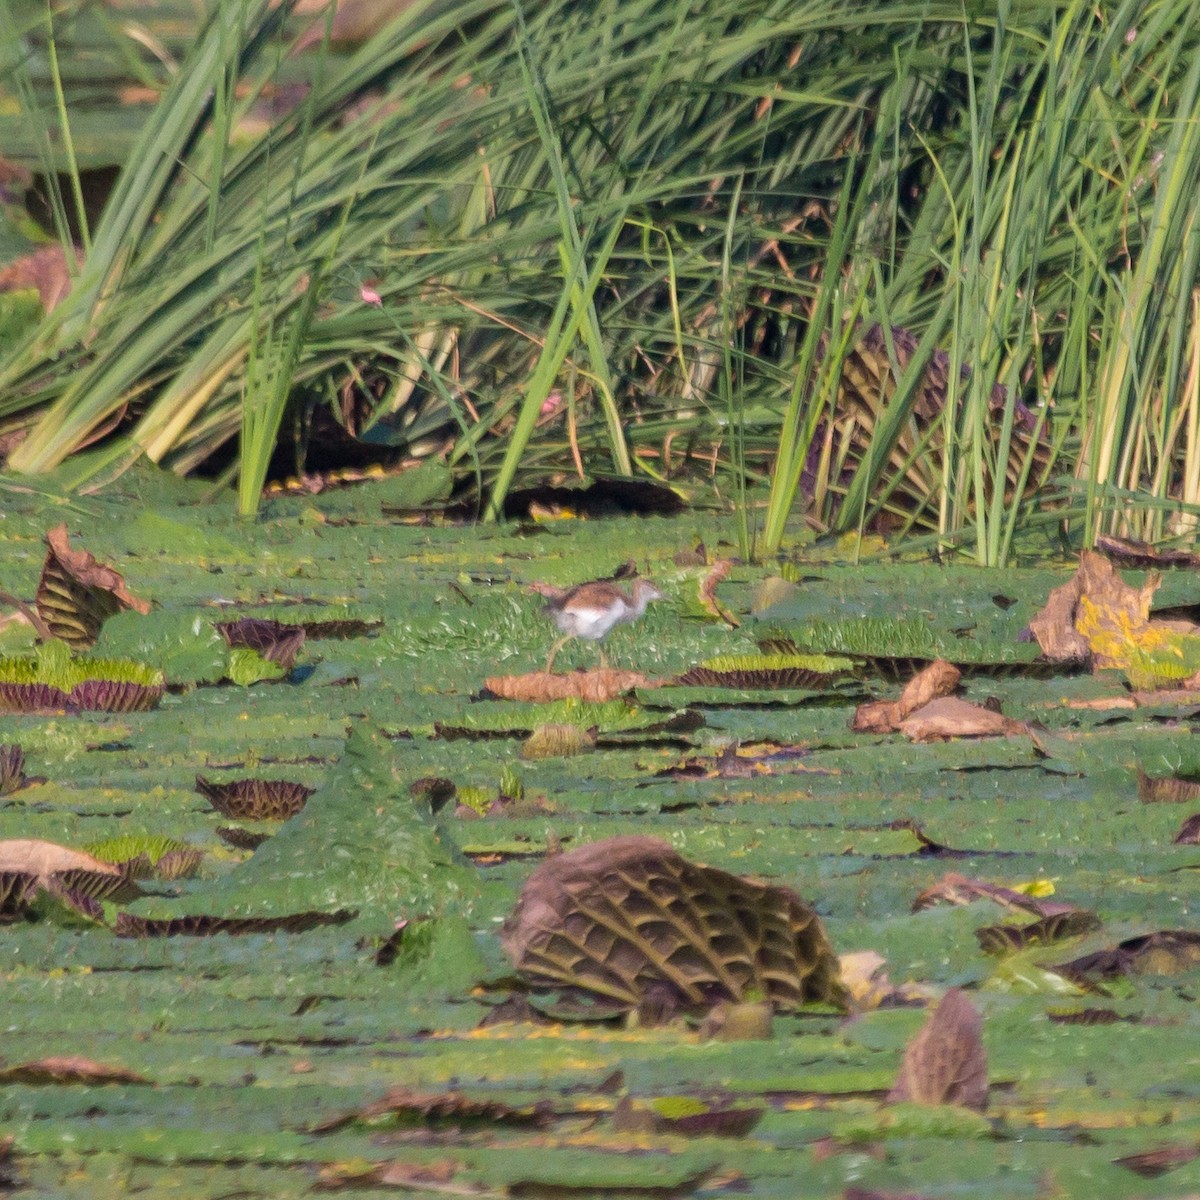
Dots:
(452, 1107)
(1189, 832)
(70, 1069)
(1165, 952)
(946, 1063)
(1097, 615)
(1141, 556)
(938, 679)
(1152, 1163)
(597, 686)
(949, 717)
(876, 716)
(1110, 613)
(76, 594)
(1054, 627)
(954, 888)
(45, 859)
(867, 982)
(45, 269)
(431, 1178)
(1167, 789)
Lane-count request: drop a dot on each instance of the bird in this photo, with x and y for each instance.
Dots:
(590, 610)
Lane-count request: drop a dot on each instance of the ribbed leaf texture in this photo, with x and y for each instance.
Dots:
(76, 594)
(12, 768)
(115, 695)
(96, 885)
(128, 925)
(16, 890)
(55, 680)
(241, 839)
(148, 855)
(255, 799)
(767, 671)
(627, 917)
(346, 627)
(276, 641)
(31, 697)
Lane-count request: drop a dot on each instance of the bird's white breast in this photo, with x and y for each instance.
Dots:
(591, 623)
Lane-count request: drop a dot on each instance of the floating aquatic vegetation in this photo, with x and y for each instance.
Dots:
(1167, 789)
(407, 1105)
(55, 680)
(255, 799)
(242, 839)
(768, 671)
(29, 866)
(274, 641)
(1097, 616)
(1165, 952)
(148, 856)
(897, 646)
(68, 1070)
(557, 740)
(1010, 939)
(129, 925)
(596, 686)
(76, 594)
(625, 918)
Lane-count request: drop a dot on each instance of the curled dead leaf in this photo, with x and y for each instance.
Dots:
(938, 679)
(277, 641)
(950, 717)
(69, 1069)
(869, 986)
(76, 594)
(441, 1107)
(1167, 789)
(45, 859)
(1096, 615)
(1152, 1163)
(1054, 626)
(596, 686)
(946, 1063)
(954, 888)
(1165, 952)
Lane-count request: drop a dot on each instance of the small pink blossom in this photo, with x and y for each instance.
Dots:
(552, 404)
(370, 296)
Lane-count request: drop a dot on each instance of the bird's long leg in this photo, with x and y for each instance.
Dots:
(562, 641)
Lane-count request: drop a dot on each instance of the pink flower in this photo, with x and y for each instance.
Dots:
(551, 404)
(370, 296)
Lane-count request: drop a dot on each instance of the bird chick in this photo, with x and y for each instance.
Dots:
(590, 610)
